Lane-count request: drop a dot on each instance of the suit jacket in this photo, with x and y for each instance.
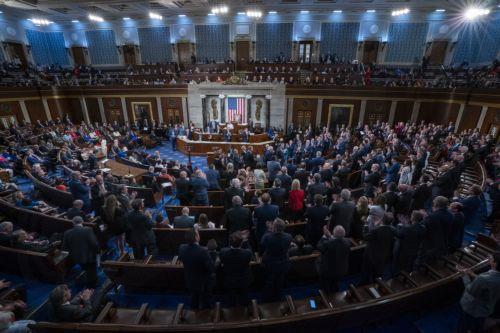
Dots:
(238, 218)
(445, 184)
(315, 188)
(236, 267)
(371, 181)
(141, 228)
(262, 214)
(274, 248)
(379, 243)
(82, 245)
(183, 221)
(403, 205)
(438, 225)
(229, 193)
(420, 195)
(342, 213)
(334, 257)
(286, 181)
(200, 187)
(470, 205)
(316, 216)
(278, 195)
(457, 231)
(72, 212)
(80, 191)
(182, 187)
(391, 199)
(213, 178)
(408, 241)
(75, 311)
(198, 266)
(273, 168)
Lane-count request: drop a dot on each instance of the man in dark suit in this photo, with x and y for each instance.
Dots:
(342, 212)
(444, 182)
(379, 245)
(213, 178)
(79, 190)
(263, 215)
(408, 241)
(238, 218)
(438, 226)
(391, 197)
(302, 175)
(82, 245)
(457, 228)
(371, 181)
(183, 221)
(316, 219)
(76, 210)
(233, 190)
(286, 180)
(403, 205)
(199, 270)
(274, 248)
(182, 187)
(200, 186)
(141, 232)
(235, 263)
(278, 193)
(471, 204)
(317, 187)
(421, 194)
(334, 260)
(6, 229)
(273, 167)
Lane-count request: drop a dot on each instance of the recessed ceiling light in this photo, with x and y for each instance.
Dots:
(211, 14)
(182, 15)
(241, 13)
(1, 12)
(440, 10)
(95, 18)
(38, 21)
(75, 21)
(126, 18)
(272, 12)
(399, 12)
(304, 12)
(337, 11)
(370, 10)
(155, 16)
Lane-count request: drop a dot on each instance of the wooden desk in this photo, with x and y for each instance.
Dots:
(203, 147)
(122, 170)
(235, 137)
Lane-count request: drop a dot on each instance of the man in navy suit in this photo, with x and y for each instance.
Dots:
(264, 214)
(471, 204)
(274, 250)
(200, 186)
(392, 171)
(213, 178)
(199, 270)
(80, 191)
(273, 167)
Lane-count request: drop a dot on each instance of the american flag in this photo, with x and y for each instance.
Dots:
(237, 109)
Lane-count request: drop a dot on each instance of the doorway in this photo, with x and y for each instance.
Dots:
(339, 115)
(242, 54)
(129, 57)
(303, 119)
(16, 51)
(370, 51)
(78, 55)
(437, 52)
(184, 53)
(305, 52)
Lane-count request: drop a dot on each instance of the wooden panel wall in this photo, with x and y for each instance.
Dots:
(438, 112)
(60, 106)
(403, 111)
(36, 110)
(11, 109)
(355, 116)
(492, 118)
(93, 109)
(377, 110)
(113, 109)
(305, 104)
(470, 117)
(171, 105)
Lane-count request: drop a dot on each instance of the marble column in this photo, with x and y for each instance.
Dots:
(46, 109)
(124, 109)
(24, 110)
(319, 111)
(101, 109)
(85, 110)
(392, 112)
(480, 121)
(159, 109)
(459, 117)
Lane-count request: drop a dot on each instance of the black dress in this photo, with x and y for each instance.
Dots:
(117, 225)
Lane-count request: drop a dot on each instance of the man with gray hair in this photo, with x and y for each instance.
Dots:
(76, 210)
(274, 248)
(238, 218)
(82, 245)
(342, 212)
(334, 260)
(6, 229)
(233, 190)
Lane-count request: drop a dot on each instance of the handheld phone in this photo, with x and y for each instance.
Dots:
(312, 304)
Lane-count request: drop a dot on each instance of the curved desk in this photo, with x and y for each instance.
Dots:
(203, 147)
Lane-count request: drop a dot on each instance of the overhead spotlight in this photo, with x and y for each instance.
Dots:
(370, 10)
(95, 18)
(400, 12)
(337, 11)
(217, 10)
(182, 15)
(473, 13)
(75, 21)
(211, 14)
(126, 18)
(155, 16)
(439, 10)
(272, 12)
(240, 13)
(38, 21)
(304, 12)
(254, 13)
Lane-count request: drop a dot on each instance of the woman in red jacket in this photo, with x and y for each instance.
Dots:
(296, 201)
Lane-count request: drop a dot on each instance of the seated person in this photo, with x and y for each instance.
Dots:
(23, 241)
(162, 223)
(41, 175)
(82, 308)
(6, 229)
(21, 201)
(8, 322)
(59, 184)
(184, 221)
(76, 210)
(204, 223)
(298, 247)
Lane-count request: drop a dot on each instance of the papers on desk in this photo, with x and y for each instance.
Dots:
(167, 184)
(104, 160)
(105, 170)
